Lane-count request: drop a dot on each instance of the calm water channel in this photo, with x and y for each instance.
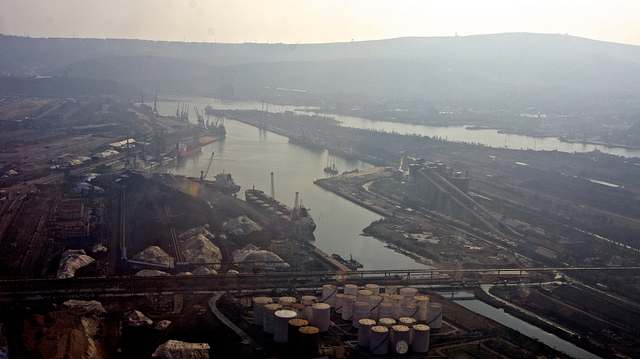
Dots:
(527, 329)
(250, 155)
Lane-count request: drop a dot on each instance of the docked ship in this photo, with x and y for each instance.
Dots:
(186, 150)
(216, 126)
(225, 184)
(298, 219)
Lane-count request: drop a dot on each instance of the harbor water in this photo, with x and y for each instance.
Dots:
(251, 154)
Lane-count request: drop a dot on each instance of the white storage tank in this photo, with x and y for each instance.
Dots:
(385, 297)
(396, 300)
(373, 288)
(308, 301)
(420, 338)
(391, 289)
(409, 310)
(350, 289)
(363, 295)
(409, 322)
(379, 340)
(385, 310)
(287, 302)
(387, 322)
(339, 302)
(400, 338)
(347, 306)
(258, 309)
(364, 331)
(408, 293)
(423, 303)
(329, 292)
(269, 317)
(300, 309)
(434, 317)
(374, 302)
(321, 316)
(281, 325)
(361, 310)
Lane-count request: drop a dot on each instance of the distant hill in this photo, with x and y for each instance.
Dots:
(503, 70)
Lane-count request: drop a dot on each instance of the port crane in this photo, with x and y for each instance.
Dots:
(203, 174)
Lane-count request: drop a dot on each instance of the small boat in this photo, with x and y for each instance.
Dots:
(350, 263)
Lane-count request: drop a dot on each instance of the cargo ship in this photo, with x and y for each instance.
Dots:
(298, 219)
(215, 127)
(186, 150)
(225, 184)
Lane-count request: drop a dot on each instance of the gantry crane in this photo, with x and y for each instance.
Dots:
(203, 174)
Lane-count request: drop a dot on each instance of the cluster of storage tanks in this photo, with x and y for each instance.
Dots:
(397, 320)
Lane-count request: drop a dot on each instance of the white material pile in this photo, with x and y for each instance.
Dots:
(162, 325)
(197, 230)
(199, 249)
(240, 226)
(154, 255)
(151, 273)
(92, 306)
(137, 319)
(174, 349)
(250, 254)
(204, 271)
(71, 261)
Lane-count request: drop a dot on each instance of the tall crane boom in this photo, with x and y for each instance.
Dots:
(203, 174)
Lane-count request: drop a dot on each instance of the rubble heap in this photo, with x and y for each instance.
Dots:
(174, 349)
(155, 255)
(199, 249)
(66, 333)
(71, 261)
(247, 257)
(240, 226)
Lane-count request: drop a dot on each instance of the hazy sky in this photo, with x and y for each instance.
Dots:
(307, 21)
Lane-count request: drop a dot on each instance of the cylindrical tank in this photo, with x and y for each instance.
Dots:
(339, 303)
(269, 317)
(281, 325)
(308, 301)
(258, 309)
(308, 338)
(423, 303)
(364, 331)
(385, 297)
(293, 330)
(409, 310)
(391, 289)
(360, 311)
(363, 295)
(385, 310)
(373, 287)
(420, 338)
(347, 306)
(387, 322)
(400, 338)
(329, 292)
(287, 302)
(300, 309)
(396, 300)
(374, 302)
(321, 316)
(434, 317)
(379, 342)
(408, 293)
(409, 322)
(350, 289)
